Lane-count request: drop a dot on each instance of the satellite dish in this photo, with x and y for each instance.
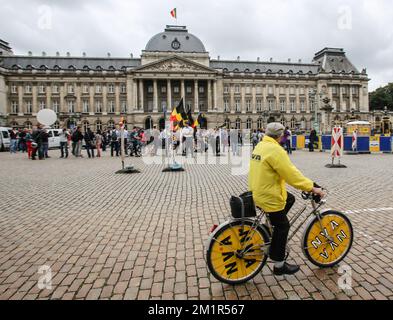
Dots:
(47, 117)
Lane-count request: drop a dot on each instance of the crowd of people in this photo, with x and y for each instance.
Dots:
(137, 141)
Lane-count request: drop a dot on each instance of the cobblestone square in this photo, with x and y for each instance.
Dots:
(142, 236)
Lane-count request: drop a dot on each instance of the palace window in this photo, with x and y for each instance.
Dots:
(28, 125)
(55, 88)
(163, 106)
(55, 106)
(123, 88)
(150, 89)
(249, 124)
(270, 90)
(85, 88)
(111, 88)
(259, 105)
(41, 104)
(334, 89)
(237, 105)
(28, 88)
(292, 90)
(85, 106)
(41, 88)
(292, 104)
(70, 88)
(248, 89)
(237, 89)
(176, 89)
(302, 106)
(226, 89)
(259, 90)
(123, 106)
(111, 124)
(282, 105)
(98, 125)
(260, 123)
(71, 106)
(13, 89)
(312, 105)
(238, 124)
(281, 90)
(111, 106)
(163, 89)
(98, 106)
(85, 125)
(301, 90)
(226, 105)
(29, 107)
(14, 107)
(188, 89)
(201, 106)
(270, 104)
(201, 89)
(293, 123)
(248, 105)
(98, 88)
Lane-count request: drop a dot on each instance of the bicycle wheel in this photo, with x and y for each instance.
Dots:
(320, 250)
(236, 252)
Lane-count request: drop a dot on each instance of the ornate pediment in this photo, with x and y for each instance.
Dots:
(175, 64)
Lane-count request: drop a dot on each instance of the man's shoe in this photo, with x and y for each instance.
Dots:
(286, 269)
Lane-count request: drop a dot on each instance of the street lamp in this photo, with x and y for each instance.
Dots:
(328, 109)
(313, 96)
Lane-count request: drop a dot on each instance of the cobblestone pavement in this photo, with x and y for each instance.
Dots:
(142, 236)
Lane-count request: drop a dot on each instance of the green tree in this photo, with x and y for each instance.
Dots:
(382, 97)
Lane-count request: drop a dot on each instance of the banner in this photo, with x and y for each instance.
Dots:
(337, 142)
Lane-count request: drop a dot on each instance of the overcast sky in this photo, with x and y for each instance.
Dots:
(280, 29)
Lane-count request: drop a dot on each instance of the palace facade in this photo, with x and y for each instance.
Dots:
(96, 92)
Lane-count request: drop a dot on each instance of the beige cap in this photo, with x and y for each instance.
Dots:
(274, 129)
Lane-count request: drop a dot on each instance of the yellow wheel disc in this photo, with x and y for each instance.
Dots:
(225, 253)
(320, 249)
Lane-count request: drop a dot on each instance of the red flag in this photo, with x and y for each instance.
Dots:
(173, 13)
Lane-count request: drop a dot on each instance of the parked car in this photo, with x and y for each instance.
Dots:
(54, 138)
(4, 138)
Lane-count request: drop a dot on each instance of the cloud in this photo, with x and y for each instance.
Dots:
(280, 29)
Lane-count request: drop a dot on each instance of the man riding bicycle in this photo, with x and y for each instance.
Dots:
(135, 142)
(270, 170)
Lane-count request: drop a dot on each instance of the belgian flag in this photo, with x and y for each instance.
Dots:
(179, 114)
(198, 120)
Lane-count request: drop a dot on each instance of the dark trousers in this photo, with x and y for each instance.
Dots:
(89, 148)
(280, 223)
(288, 147)
(64, 149)
(115, 146)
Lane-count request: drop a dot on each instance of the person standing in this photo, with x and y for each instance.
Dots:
(45, 142)
(29, 141)
(114, 142)
(254, 139)
(64, 143)
(313, 138)
(98, 138)
(187, 133)
(234, 136)
(36, 143)
(89, 143)
(224, 139)
(78, 142)
(287, 140)
(13, 140)
(22, 140)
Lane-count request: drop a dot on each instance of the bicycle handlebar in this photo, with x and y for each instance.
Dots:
(310, 196)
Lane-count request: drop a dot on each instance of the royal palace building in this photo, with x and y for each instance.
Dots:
(97, 92)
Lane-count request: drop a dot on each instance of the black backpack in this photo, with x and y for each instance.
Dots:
(114, 136)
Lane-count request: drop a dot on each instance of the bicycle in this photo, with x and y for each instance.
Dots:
(238, 249)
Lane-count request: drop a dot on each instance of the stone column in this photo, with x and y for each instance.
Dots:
(48, 91)
(232, 98)
(92, 107)
(264, 92)
(287, 102)
(169, 95)
(130, 95)
(220, 95)
(155, 96)
(209, 96)
(135, 94)
(20, 101)
(34, 98)
(117, 98)
(215, 94)
(141, 94)
(182, 91)
(350, 97)
(78, 107)
(196, 96)
(297, 101)
(243, 98)
(254, 99)
(277, 94)
(341, 99)
(308, 106)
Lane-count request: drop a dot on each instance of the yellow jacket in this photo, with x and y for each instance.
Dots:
(270, 170)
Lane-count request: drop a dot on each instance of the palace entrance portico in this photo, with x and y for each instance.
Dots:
(159, 86)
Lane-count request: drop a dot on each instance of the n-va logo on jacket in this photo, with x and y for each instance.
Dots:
(256, 157)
